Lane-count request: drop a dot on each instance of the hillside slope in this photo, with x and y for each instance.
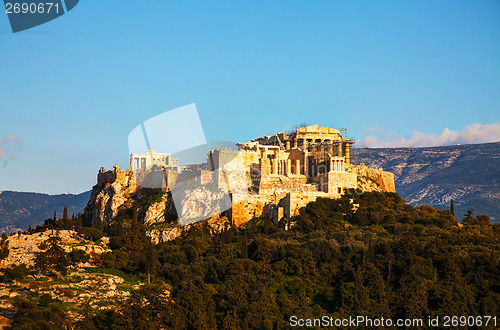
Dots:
(468, 174)
(18, 210)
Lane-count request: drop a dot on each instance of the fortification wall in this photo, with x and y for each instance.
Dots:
(124, 178)
(293, 202)
(171, 177)
(247, 207)
(279, 184)
(341, 180)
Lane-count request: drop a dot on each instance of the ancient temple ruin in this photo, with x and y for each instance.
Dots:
(152, 158)
(272, 176)
(281, 173)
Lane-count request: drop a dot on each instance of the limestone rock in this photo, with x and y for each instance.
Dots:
(370, 179)
(23, 248)
(213, 224)
(200, 203)
(156, 211)
(113, 189)
(164, 235)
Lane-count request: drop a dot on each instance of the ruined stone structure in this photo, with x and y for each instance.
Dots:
(151, 158)
(277, 175)
(272, 176)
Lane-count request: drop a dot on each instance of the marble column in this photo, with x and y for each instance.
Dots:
(347, 153)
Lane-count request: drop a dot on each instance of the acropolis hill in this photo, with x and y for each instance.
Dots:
(271, 176)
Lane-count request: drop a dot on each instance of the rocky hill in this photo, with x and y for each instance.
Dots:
(85, 288)
(18, 210)
(468, 174)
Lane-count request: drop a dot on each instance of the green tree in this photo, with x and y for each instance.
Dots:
(150, 260)
(91, 233)
(244, 245)
(65, 214)
(16, 272)
(77, 255)
(413, 294)
(54, 258)
(468, 218)
(39, 314)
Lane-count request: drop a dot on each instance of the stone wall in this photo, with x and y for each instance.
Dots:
(232, 170)
(274, 183)
(245, 208)
(126, 178)
(293, 202)
(171, 177)
(338, 181)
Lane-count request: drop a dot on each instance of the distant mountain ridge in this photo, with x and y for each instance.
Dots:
(468, 174)
(18, 210)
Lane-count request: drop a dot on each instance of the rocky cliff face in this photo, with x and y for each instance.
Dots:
(213, 225)
(370, 179)
(113, 189)
(107, 201)
(202, 203)
(116, 191)
(198, 203)
(155, 212)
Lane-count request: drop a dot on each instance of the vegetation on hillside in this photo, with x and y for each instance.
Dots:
(381, 258)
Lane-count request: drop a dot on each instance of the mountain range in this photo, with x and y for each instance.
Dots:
(18, 210)
(468, 174)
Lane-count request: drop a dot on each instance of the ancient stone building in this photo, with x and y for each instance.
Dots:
(279, 174)
(151, 158)
(270, 176)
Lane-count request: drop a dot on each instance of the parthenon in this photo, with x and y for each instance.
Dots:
(288, 171)
(311, 150)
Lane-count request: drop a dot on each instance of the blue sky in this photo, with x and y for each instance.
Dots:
(72, 89)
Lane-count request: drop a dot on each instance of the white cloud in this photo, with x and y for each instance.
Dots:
(473, 133)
